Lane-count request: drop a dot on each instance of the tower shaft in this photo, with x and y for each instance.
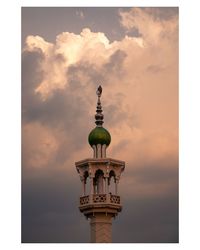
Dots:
(101, 228)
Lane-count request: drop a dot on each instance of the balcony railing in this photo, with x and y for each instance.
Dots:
(115, 199)
(84, 200)
(99, 198)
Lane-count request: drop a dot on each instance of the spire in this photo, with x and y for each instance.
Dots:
(99, 138)
(99, 116)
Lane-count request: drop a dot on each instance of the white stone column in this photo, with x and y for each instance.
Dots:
(91, 189)
(107, 190)
(101, 228)
(95, 151)
(91, 185)
(99, 151)
(104, 151)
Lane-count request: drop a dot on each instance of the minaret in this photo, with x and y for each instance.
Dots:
(100, 176)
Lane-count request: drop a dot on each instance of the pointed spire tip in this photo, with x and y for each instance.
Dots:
(99, 91)
(99, 115)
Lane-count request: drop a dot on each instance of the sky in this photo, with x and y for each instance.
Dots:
(66, 54)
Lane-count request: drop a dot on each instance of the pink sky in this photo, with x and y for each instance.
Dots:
(139, 75)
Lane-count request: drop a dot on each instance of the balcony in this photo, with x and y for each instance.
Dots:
(99, 199)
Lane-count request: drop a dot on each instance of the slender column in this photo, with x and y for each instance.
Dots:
(94, 151)
(116, 186)
(91, 186)
(106, 190)
(106, 185)
(99, 151)
(91, 189)
(104, 151)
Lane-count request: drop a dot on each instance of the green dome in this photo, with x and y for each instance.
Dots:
(99, 135)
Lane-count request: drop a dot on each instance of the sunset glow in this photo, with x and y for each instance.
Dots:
(133, 54)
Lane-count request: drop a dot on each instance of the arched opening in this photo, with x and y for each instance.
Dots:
(99, 182)
(85, 188)
(111, 182)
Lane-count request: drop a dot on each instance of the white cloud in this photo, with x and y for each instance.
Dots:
(150, 28)
(139, 77)
(90, 47)
(36, 42)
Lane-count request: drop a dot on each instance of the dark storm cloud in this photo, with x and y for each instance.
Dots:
(156, 174)
(50, 111)
(149, 220)
(48, 202)
(51, 190)
(31, 78)
(149, 217)
(161, 173)
(49, 199)
(63, 110)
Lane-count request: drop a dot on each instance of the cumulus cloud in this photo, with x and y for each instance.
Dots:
(149, 23)
(139, 75)
(71, 49)
(139, 81)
